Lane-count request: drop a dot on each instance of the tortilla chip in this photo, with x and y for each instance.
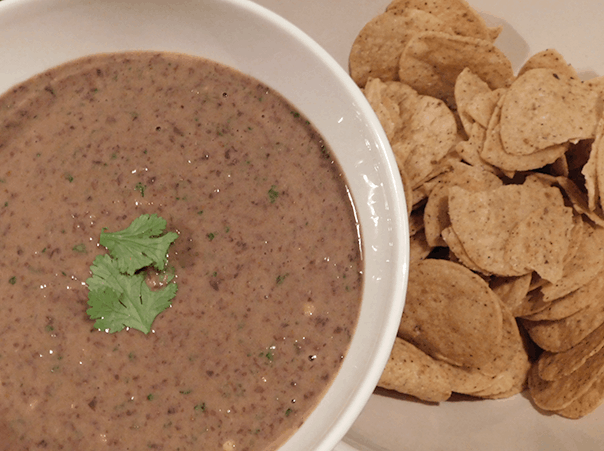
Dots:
(444, 165)
(589, 172)
(432, 61)
(457, 14)
(470, 150)
(488, 394)
(457, 252)
(494, 32)
(571, 303)
(586, 403)
(540, 241)
(554, 366)
(561, 335)
(596, 84)
(542, 109)
(451, 313)
(482, 107)
(376, 50)
(577, 235)
(436, 215)
(494, 153)
(578, 199)
(436, 211)
(510, 364)
(421, 193)
(560, 393)
(582, 268)
(511, 290)
(423, 142)
(419, 248)
(549, 59)
(386, 99)
(485, 222)
(532, 304)
(467, 87)
(421, 129)
(415, 373)
(466, 380)
(385, 107)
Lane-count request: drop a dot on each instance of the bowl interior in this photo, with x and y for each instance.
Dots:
(38, 34)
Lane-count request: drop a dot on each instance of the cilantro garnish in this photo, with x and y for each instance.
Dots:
(139, 245)
(118, 293)
(273, 194)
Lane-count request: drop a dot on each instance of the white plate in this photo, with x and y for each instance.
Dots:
(576, 29)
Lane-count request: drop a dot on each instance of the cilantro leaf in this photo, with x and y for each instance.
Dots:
(118, 293)
(118, 300)
(140, 244)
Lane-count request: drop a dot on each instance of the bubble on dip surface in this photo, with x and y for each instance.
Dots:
(267, 260)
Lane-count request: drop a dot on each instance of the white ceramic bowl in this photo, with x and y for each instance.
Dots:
(38, 34)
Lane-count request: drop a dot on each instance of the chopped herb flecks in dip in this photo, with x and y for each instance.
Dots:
(267, 258)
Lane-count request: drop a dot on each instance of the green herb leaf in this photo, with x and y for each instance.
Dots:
(119, 296)
(273, 194)
(140, 187)
(118, 300)
(140, 244)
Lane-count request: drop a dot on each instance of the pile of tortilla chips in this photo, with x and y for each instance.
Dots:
(504, 179)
